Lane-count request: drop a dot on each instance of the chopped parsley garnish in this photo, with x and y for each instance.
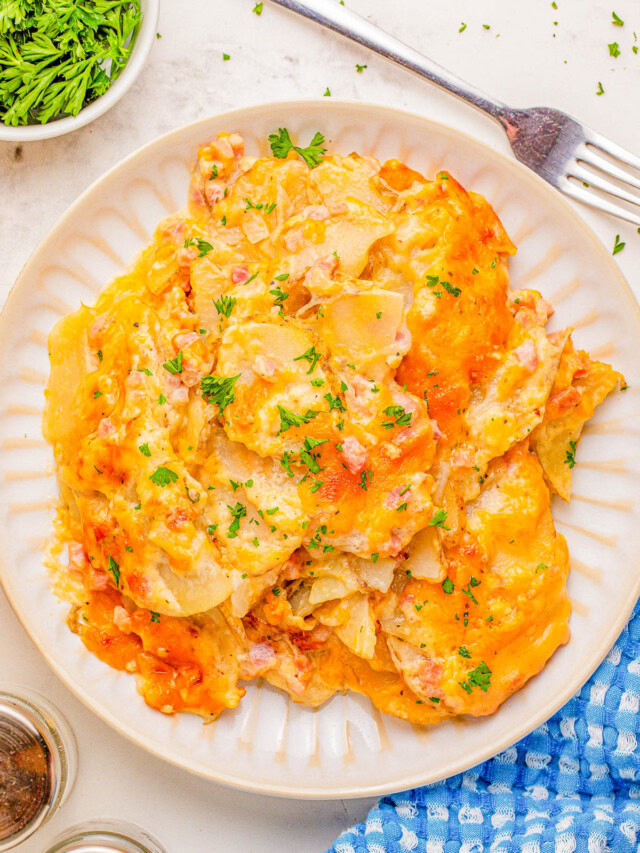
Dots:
(281, 145)
(402, 508)
(464, 652)
(360, 68)
(435, 699)
(374, 558)
(317, 383)
(447, 586)
(174, 365)
(235, 486)
(463, 27)
(433, 280)
(363, 479)
(269, 208)
(257, 9)
(400, 417)
(478, 677)
(97, 394)
(571, 455)
(618, 246)
(204, 247)
(163, 476)
(316, 485)
(617, 20)
(144, 449)
(282, 277)
(327, 93)
(599, 90)
(219, 390)
(334, 402)
(225, 305)
(469, 594)
(439, 518)
(162, 399)
(541, 567)
(286, 460)
(114, 568)
(211, 529)
(290, 419)
(273, 510)
(310, 356)
(614, 49)
(276, 591)
(280, 295)
(155, 617)
(225, 57)
(237, 512)
(309, 458)
(100, 356)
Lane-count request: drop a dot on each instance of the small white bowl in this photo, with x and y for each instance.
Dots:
(144, 40)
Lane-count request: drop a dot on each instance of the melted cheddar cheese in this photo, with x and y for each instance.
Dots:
(312, 435)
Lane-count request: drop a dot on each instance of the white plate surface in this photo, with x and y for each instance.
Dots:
(345, 748)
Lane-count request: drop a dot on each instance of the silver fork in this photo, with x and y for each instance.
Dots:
(566, 153)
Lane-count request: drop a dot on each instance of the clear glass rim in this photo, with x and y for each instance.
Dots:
(94, 832)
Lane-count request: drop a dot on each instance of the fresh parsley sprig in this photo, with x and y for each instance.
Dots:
(312, 155)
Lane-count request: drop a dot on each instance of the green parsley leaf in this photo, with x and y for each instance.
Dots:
(439, 519)
(614, 49)
(144, 449)
(400, 417)
(618, 245)
(174, 365)
(237, 512)
(478, 677)
(599, 90)
(204, 247)
(225, 305)
(281, 145)
(311, 357)
(97, 394)
(225, 57)
(334, 402)
(360, 68)
(617, 20)
(327, 93)
(447, 586)
(114, 568)
(290, 419)
(571, 455)
(155, 617)
(464, 652)
(163, 477)
(219, 390)
(463, 27)
(258, 8)
(280, 295)
(374, 558)
(286, 460)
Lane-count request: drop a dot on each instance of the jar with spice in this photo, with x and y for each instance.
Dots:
(38, 762)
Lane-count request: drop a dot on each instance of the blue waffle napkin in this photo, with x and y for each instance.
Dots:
(572, 785)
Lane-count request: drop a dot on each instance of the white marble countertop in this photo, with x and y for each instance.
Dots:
(524, 58)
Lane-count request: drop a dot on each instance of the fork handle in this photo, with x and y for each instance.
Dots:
(330, 14)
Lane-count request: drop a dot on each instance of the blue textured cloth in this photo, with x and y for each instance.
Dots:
(572, 785)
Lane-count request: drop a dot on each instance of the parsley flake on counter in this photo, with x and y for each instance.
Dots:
(163, 477)
(225, 305)
(617, 20)
(360, 68)
(114, 569)
(312, 155)
(225, 57)
(614, 49)
(219, 390)
(174, 365)
(463, 27)
(257, 9)
(144, 449)
(327, 93)
(618, 246)
(599, 90)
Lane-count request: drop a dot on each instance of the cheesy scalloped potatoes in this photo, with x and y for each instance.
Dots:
(312, 435)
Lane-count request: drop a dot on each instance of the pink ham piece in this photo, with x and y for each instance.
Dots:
(121, 619)
(293, 240)
(527, 355)
(429, 676)
(318, 212)
(186, 256)
(183, 339)
(240, 274)
(266, 368)
(98, 581)
(105, 428)
(354, 454)
(237, 144)
(262, 658)
(214, 190)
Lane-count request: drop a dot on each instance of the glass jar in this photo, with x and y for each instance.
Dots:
(105, 836)
(38, 761)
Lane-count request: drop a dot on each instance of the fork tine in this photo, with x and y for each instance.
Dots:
(611, 148)
(586, 155)
(586, 197)
(602, 184)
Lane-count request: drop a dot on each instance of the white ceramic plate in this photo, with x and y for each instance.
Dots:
(345, 748)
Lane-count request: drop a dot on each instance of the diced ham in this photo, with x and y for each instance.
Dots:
(261, 658)
(175, 391)
(403, 340)
(266, 368)
(318, 212)
(237, 144)
(395, 498)
(527, 355)
(77, 558)
(121, 619)
(355, 454)
(105, 428)
(97, 328)
(222, 148)
(462, 458)
(186, 256)
(564, 400)
(214, 190)
(293, 240)
(240, 274)
(193, 369)
(97, 581)
(429, 675)
(337, 208)
(183, 339)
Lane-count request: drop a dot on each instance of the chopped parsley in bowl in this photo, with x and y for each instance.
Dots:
(58, 58)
